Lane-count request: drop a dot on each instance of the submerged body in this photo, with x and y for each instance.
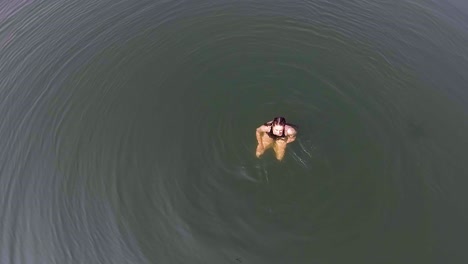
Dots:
(275, 134)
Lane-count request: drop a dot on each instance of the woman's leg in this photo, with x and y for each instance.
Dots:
(267, 142)
(280, 149)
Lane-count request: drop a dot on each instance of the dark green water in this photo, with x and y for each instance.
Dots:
(128, 132)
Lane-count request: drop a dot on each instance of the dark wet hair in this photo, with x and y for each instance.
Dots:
(279, 121)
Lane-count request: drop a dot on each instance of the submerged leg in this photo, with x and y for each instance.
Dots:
(267, 142)
(280, 149)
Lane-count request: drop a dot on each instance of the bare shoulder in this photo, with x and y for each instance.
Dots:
(263, 128)
(290, 131)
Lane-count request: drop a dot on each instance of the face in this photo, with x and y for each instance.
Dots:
(278, 130)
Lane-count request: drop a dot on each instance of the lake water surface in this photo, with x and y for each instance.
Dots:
(127, 131)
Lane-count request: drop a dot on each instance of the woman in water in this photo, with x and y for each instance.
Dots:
(277, 134)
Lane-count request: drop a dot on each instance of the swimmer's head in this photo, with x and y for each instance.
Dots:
(278, 126)
(279, 121)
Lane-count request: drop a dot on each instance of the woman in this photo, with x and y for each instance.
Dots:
(277, 134)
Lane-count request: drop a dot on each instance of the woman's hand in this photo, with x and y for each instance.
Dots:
(260, 150)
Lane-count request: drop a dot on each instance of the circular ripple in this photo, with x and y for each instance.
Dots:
(145, 115)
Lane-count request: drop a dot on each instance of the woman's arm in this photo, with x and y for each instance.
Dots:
(259, 133)
(291, 132)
